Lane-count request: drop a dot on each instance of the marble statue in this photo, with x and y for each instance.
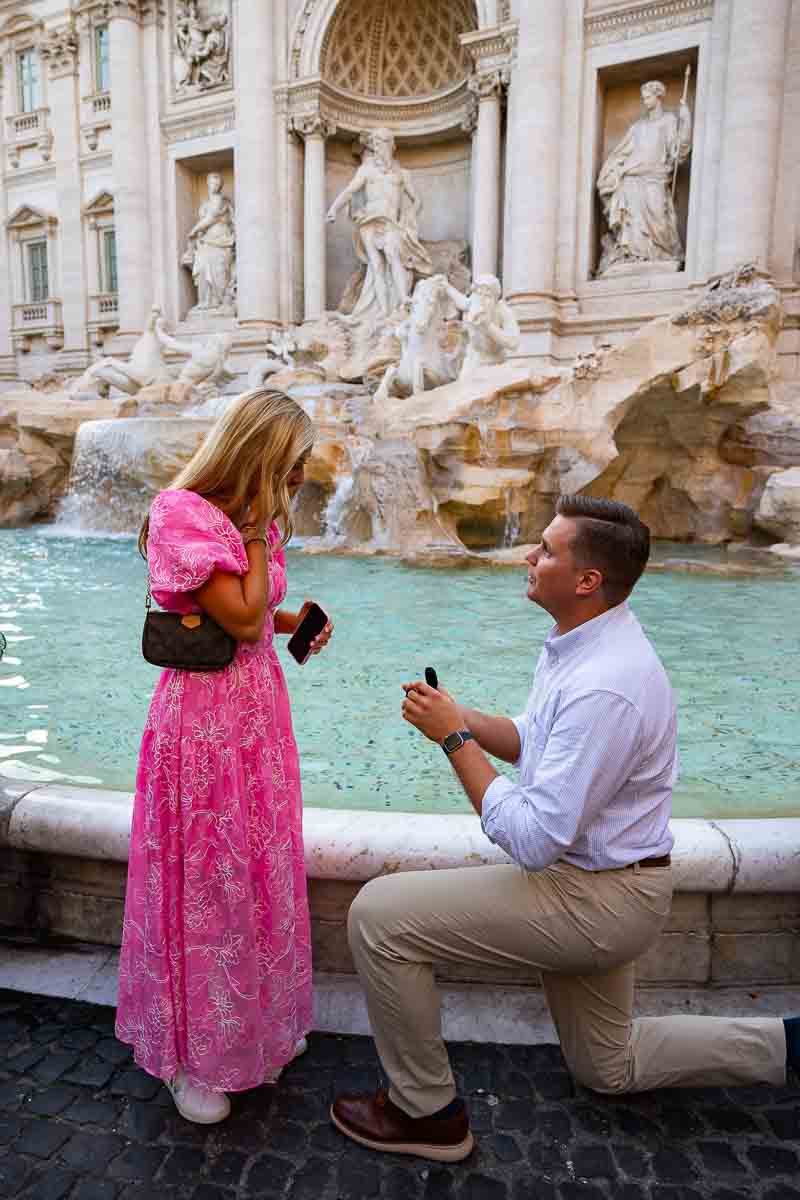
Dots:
(385, 228)
(281, 349)
(425, 361)
(637, 183)
(491, 329)
(145, 366)
(202, 49)
(211, 252)
(207, 361)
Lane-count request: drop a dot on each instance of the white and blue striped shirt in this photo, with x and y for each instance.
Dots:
(598, 757)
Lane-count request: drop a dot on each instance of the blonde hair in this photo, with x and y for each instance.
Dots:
(246, 459)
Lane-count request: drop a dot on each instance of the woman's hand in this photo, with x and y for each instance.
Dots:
(431, 711)
(286, 622)
(322, 639)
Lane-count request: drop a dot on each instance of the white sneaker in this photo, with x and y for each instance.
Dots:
(299, 1049)
(198, 1104)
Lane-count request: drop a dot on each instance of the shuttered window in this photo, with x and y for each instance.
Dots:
(28, 79)
(38, 279)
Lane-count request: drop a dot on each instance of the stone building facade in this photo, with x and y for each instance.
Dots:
(504, 112)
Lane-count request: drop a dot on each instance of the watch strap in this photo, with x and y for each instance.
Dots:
(450, 744)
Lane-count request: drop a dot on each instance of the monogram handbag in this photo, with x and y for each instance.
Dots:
(185, 642)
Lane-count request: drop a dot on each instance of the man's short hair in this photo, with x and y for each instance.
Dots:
(609, 537)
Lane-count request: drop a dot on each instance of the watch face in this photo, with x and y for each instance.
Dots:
(452, 742)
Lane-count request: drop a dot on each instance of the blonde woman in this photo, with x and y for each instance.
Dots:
(215, 970)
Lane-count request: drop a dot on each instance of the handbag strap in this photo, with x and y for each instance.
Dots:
(148, 600)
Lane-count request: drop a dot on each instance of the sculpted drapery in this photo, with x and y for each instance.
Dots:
(635, 185)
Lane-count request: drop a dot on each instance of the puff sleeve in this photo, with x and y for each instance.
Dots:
(189, 539)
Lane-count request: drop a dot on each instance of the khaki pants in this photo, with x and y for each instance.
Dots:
(583, 930)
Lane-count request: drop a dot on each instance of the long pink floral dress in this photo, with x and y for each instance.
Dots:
(215, 969)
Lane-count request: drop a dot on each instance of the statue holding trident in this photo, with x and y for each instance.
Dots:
(637, 186)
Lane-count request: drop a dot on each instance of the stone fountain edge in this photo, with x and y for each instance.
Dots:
(729, 947)
(754, 855)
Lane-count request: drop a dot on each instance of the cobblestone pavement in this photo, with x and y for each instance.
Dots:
(79, 1122)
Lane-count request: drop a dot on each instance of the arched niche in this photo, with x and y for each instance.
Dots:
(315, 20)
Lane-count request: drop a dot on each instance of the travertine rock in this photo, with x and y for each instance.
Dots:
(779, 510)
(479, 462)
(37, 434)
(771, 437)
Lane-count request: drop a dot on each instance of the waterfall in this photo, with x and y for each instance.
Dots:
(513, 524)
(336, 508)
(119, 465)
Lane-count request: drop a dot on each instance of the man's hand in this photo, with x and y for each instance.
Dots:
(432, 712)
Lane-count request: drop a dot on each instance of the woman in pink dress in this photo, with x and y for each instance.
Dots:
(215, 968)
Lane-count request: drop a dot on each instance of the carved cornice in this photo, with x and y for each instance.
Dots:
(312, 125)
(656, 16)
(206, 123)
(492, 49)
(407, 117)
(60, 50)
(92, 12)
(142, 12)
(20, 31)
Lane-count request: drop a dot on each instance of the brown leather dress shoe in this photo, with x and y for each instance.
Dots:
(374, 1121)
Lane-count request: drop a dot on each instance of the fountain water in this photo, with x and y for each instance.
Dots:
(119, 465)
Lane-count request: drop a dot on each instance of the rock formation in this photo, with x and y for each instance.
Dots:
(779, 511)
(686, 421)
(480, 462)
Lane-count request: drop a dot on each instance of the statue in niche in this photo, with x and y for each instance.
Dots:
(636, 185)
(385, 231)
(203, 51)
(426, 361)
(491, 329)
(211, 252)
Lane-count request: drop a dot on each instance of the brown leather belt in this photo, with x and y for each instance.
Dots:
(663, 861)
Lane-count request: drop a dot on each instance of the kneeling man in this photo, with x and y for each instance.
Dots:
(587, 827)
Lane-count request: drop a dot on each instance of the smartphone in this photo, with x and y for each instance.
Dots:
(310, 627)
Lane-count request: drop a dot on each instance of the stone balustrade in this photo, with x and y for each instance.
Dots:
(29, 129)
(103, 314)
(40, 318)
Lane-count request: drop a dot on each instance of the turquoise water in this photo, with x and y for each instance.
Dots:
(74, 688)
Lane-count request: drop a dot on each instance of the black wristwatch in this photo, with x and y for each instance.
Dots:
(454, 741)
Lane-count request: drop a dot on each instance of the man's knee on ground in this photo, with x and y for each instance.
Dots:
(606, 1073)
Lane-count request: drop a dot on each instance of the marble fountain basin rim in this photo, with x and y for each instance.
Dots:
(758, 855)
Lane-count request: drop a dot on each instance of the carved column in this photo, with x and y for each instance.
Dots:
(486, 162)
(130, 165)
(258, 248)
(153, 14)
(59, 50)
(751, 131)
(532, 173)
(314, 130)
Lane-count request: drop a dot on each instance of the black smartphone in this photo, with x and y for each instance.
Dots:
(310, 627)
(431, 678)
